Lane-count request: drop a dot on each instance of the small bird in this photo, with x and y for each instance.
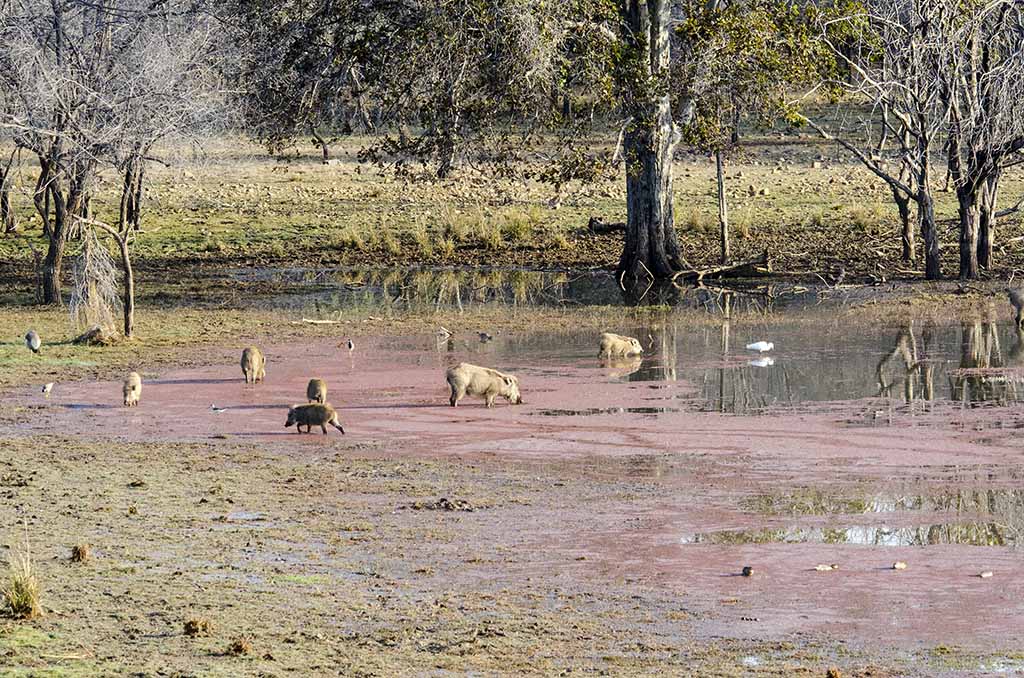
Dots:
(484, 337)
(351, 346)
(218, 410)
(747, 571)
(986, 574)
(899, 565)
(46, 389)
(33, 342)
(826, 568)
(1017, 301)
(761, 346)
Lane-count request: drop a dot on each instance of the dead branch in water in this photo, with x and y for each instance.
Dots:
(753, 268)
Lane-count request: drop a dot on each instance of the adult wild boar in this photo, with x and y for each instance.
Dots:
(474, 380)
(619, 346)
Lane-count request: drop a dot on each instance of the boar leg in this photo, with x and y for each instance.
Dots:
(456, 396)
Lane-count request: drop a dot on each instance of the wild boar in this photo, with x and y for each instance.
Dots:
(316, 391)
(618, 345)
(132, 389)
(481, 381)
(313, 415)
(254, 365)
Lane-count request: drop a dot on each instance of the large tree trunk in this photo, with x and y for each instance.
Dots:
(987, 220)
(651, 248)
(926, 219)
(54, 260)
(969, 217)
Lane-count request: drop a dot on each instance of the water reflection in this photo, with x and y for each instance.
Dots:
(422, 289)
(971, 534)
(700, 340)
(980, 517)
(1007, 504)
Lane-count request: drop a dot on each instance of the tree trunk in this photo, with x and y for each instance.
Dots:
(723, 208)
(651, 249)
(321, 142)
(929, 234)
(129, 287)
(7, 222)
(926, 212)
(55, 258)
(987, 220)
(357, 90)
(902, 201)
(969, 217)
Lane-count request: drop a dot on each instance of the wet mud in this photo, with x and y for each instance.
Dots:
(858, 450)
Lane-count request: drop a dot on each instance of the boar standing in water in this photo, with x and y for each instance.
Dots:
(316, 391)
(254, 365)
(481, 381)
(619, 346)
(313, 415)
(132, 389)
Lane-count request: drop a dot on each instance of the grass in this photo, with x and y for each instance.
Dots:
(196, 627)
(80, 553)
(242, 645)
(21, 591)
(239, 205)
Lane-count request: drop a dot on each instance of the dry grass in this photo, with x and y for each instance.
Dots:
(80, 553)
(198, 626)
(21, 592)
(242, 645)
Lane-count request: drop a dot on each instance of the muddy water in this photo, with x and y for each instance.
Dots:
(855, 445)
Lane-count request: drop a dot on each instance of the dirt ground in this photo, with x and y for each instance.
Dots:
(523, 540)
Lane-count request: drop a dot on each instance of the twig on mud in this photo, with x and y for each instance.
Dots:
(317, 322)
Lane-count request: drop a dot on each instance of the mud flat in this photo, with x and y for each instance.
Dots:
(600, 527)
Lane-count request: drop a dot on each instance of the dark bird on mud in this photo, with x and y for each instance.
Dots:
(351, 346)
(485, 337)
(1017, 301)
(748, 571)
(33, 341)
(218, 410)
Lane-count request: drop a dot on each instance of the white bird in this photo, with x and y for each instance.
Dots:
(218, 410)
(33, 341)
(46, 389)
(767, 361)
(761, 346)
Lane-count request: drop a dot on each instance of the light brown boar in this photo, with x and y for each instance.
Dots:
(132, 389)
(465, 379)
(254, 365)
(619, 346)
(316, 391)
(313, 415)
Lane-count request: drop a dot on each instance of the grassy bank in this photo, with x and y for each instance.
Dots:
(803, 200)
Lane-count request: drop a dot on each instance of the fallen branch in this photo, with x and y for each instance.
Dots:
(321, 322)
(597, 226)
(754, 268)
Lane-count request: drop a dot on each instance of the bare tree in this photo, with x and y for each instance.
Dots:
(982, 78)
(897, 78)
(88, 85)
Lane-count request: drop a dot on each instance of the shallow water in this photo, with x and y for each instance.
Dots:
(703, 364)
(687, 365)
